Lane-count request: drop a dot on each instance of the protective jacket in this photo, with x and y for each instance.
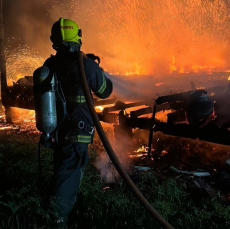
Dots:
(65, 67)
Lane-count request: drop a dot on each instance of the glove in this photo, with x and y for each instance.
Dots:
(93, 57)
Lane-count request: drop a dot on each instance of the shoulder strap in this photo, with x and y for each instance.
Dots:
(61, 98)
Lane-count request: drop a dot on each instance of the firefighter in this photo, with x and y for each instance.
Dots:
(75, 128)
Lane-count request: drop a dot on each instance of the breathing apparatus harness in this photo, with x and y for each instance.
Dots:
(47, 91)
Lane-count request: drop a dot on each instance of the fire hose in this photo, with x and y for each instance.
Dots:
(110, 150)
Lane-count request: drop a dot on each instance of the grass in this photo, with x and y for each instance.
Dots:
(24, 195)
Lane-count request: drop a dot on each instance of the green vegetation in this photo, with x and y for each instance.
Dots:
(24, 195)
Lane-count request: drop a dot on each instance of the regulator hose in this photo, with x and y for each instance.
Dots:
(109, 148)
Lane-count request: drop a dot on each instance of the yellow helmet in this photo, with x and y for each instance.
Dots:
(65, 30)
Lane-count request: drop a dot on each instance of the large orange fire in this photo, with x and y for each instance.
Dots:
(142, 37)
(146, 38)
(149, 37)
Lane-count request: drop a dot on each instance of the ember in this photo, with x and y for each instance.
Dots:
(21, 62)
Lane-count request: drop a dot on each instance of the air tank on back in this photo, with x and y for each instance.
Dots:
(45, 100)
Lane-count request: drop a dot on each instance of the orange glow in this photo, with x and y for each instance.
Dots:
(162, 115)
(147, 37)
(141, 37)
(229, 78)
(21, 115)
(22, 62)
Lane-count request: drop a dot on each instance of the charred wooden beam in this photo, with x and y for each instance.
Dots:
(102, 102)
(182, 97)
(121, 106)
(177, 116)
(209, 133)
(108, 117)
(141, 111)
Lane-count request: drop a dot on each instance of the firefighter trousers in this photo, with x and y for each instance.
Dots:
(69, 163)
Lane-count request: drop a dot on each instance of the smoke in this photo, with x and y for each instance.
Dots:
(121, 146)
(133, 88)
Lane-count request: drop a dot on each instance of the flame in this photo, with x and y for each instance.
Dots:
(158, 84)
(99, 109)
(140, 152)
(163, 152)
(194, 68)
(137, 155)
(142, 149)
(21, 115)
(172, 66)
(162, 115)
(229, 78)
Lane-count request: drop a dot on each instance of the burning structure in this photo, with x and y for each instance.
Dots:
(186, 42)
(173, 51)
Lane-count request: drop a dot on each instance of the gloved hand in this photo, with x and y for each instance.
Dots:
(93, 57)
